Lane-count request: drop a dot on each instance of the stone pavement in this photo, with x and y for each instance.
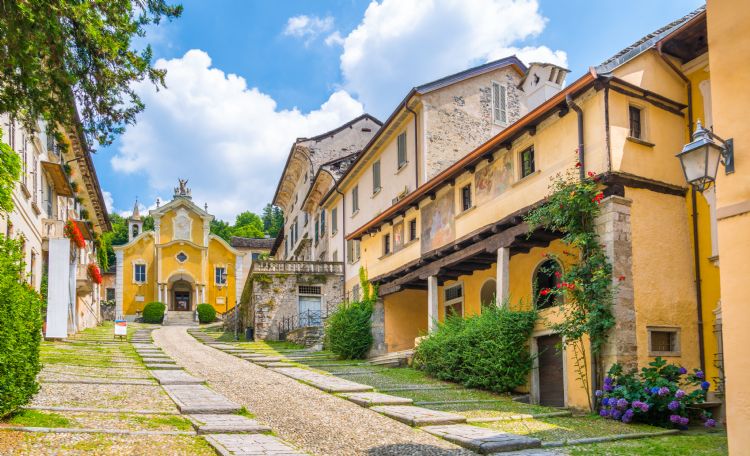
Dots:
(372, 399)
(418, 416)
(226, 424)
(176, 377)
(192, 399)
(482, 440)
(327, 383)
(250, 445)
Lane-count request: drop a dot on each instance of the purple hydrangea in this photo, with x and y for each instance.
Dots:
(682, 371)
(674, 405)
(604, 412)
(699, 374)
(608, 380)
(710, 423)
(684, 420)
(605, 401)
(663, 391)
(598, 393)
(644, 407)
(622, 403)
(675, 418)
(705, 385)
(654, 390)
(679, 394)
(608, 388)
(616, 414)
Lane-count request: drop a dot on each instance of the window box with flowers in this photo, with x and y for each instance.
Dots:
(73, 233)
(95, 274)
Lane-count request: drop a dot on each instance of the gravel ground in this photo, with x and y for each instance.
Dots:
(315, 421)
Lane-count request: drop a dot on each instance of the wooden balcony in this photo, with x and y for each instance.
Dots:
(297, 267)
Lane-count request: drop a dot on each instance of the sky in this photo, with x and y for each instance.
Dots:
(245, 78)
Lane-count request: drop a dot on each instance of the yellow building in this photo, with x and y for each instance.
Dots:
(729, 44)
(179, 263)
(458, 240)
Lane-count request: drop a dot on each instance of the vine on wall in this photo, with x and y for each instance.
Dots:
(587, 285)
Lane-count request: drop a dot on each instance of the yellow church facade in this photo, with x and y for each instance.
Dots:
(178, 263)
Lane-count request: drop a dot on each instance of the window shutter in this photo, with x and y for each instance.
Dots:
(499, 103)
(334, 219)
(376, 176)
(401, 149)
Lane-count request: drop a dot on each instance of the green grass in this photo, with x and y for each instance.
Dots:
(161, 421)
(690, 443)
(246, 413)
(568, 428)
(491, 409)
(35, 418)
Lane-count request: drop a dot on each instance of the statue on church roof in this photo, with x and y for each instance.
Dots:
(182, 189)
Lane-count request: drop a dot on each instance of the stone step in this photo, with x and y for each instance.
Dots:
(199, 399)
(374, 399)
(250, 445)
(327, 383)
(226, 424)
(394, 359)
(418, 416)
(267, 359)
(483, 440)
(160, 360)
(162, 366)
(176, 377)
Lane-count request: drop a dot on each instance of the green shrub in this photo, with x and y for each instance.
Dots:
(153, 312)
(206, 313)
(347, 331)
(488, 351)
(20, 331)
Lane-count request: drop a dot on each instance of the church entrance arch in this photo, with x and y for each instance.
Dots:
(182, 293)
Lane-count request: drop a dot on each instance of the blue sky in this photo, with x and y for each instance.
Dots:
(245, 78)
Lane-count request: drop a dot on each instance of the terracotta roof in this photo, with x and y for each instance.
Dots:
(252, 243)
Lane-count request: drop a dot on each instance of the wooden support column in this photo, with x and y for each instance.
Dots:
(503, 275)
(432, 303)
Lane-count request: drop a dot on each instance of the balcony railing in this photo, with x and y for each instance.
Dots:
(297, 267)
(308, 318)
(53, 229)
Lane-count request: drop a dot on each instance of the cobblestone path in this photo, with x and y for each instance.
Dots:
(312, 420)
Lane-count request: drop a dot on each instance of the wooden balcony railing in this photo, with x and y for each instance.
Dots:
(297, 267)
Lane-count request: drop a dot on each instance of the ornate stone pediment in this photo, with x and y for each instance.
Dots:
(182, 225)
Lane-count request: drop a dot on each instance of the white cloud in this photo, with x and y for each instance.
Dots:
(400, 44)
(308, 27)
(334, 38)
(108, 200)
(230, 140)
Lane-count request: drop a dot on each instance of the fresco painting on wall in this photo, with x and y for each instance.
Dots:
(493, 179)
(438, 222)
(398, 236)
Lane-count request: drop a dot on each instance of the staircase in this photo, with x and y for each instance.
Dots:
(179, 318)
(394, 359)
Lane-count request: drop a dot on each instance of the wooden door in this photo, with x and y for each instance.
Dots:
(551, 384)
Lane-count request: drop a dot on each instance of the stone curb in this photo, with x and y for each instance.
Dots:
(101, 410)
(609, 438)
(518, 417)
(93, 431)
(145, 382)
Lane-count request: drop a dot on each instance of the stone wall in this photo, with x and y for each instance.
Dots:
(613, 228)
(307, 336)
(458, 118)
(276, 296)
(378, 330)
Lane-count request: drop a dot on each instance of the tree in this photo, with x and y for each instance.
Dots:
(221, 229)
(10, 171)
(273, 220)
(58, 54)
(248, 225)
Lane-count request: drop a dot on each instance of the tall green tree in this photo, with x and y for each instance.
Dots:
(56, 54)
(221, 229)
(273, 220)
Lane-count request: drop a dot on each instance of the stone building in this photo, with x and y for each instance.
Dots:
(58, 186)
(459, 240)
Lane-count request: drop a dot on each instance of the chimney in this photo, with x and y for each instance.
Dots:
(541, 82)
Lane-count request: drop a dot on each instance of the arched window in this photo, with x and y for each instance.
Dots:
(487, 293)
(135, 231)
(545, 277)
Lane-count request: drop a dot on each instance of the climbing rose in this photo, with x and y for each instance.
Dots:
(621, 278)
(578, 164)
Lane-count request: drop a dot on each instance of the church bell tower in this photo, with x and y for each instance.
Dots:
(135, 223)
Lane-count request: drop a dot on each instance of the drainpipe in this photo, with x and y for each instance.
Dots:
(693, 195)
(579, 112)
(607, 128)
(416, 149)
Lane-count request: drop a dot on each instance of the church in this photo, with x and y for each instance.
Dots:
(179, 263)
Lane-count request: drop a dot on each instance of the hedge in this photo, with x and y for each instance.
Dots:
(20, 331)
(488, 351)
(347, 330)
(153, 312)
(206, 313)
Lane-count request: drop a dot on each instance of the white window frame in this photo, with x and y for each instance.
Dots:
(216, 276)
(498, 107)
(377, 183)
(334, 221)
(355, 199)
(401, 159)
(447, 302)
(145, 272)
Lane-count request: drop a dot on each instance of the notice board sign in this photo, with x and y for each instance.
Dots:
(121, 328)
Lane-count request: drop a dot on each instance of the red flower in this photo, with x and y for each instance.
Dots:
(578, 164)
(591, 174)
(544, 292)
(598, 198)
(558, 274)
(95, 274)
(621, 278)
(560, 285)
(73, 233)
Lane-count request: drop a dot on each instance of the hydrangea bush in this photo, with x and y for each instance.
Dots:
(661, 394)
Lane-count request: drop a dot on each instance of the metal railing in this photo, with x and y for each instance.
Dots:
(297, 267)
(308, 318)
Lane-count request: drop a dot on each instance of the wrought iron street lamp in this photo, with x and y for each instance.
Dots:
(700, 158)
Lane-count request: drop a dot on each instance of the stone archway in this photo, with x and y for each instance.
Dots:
(181, 293)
